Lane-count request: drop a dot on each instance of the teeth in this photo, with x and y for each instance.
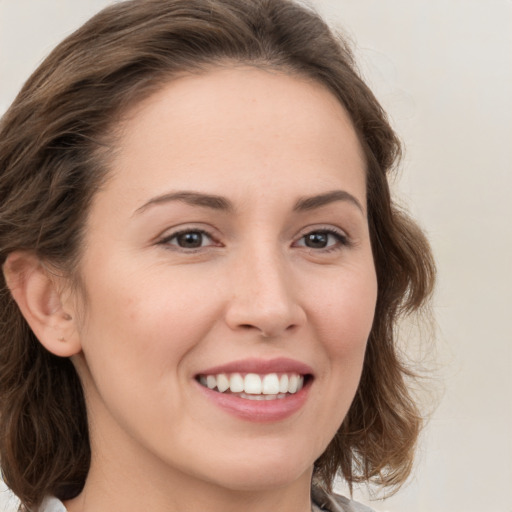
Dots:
(211, 381)
(236, 383)
(283, 383)
(263, 397)
(222, 382)
(292, 383)
(271, 384)
(254, 386)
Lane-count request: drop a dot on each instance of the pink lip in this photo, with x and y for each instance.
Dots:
(261, 366)
(259, 411)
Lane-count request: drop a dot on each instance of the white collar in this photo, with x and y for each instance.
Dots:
(51, 504)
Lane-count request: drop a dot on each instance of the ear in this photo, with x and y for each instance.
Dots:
(40, 296)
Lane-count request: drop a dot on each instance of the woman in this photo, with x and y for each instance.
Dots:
(202, 268)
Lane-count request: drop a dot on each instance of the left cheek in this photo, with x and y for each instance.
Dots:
(347, 312)
(344, 324)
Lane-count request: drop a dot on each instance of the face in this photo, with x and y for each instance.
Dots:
(229, 282)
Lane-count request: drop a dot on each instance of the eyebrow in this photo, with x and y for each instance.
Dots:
(216, 202)
(313, 202)
(193, 198)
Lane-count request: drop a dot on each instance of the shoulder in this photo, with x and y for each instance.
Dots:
(329, 502)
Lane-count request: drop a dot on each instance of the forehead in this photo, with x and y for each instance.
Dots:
(245, 124)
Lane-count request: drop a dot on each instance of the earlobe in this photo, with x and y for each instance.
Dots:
(39, 295)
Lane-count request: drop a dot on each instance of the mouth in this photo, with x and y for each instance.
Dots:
(254, 386)
(258, 390)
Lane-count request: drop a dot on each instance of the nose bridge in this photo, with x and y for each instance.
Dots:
(264, 298)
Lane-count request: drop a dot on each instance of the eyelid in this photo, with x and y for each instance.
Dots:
(171, 233)
(342, 236)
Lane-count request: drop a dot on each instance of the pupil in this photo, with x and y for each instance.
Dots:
(190, 240)
(316, 240)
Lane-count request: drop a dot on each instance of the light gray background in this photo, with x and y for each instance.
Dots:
(443, 71)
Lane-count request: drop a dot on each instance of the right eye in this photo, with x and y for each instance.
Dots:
(189, 239)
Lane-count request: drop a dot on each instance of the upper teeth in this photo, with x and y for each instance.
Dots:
(254, 384)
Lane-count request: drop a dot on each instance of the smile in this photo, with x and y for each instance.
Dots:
(253, 386)
(257, 390)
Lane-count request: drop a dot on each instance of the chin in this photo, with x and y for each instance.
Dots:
(257, 472)
(258, 480)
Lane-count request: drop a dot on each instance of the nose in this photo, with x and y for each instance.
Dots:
(264, 296)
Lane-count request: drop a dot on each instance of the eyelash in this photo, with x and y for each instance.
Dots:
(167, 240)
(341, 239)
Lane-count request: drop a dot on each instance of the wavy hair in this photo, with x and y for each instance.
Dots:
(54, 143)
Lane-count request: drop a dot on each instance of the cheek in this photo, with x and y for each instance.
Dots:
(346, 308)
(344, 319)
(344, 316)
(144, 319)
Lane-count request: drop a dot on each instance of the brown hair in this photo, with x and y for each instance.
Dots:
(53, 149)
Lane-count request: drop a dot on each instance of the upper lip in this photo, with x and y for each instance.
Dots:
(260, 366)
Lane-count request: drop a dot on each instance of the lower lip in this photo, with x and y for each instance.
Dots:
(258, 410)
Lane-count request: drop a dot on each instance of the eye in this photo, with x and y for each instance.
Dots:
(323, 239)
(190, 239)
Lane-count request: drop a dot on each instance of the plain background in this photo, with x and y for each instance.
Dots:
(443, 71)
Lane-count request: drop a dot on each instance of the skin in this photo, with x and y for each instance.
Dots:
(155, 314)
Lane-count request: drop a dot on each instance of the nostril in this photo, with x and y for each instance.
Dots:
(265, 320)
(265, 333)
(262, 332)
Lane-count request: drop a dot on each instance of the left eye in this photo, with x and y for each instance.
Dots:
(322, 239)
(192, 239)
